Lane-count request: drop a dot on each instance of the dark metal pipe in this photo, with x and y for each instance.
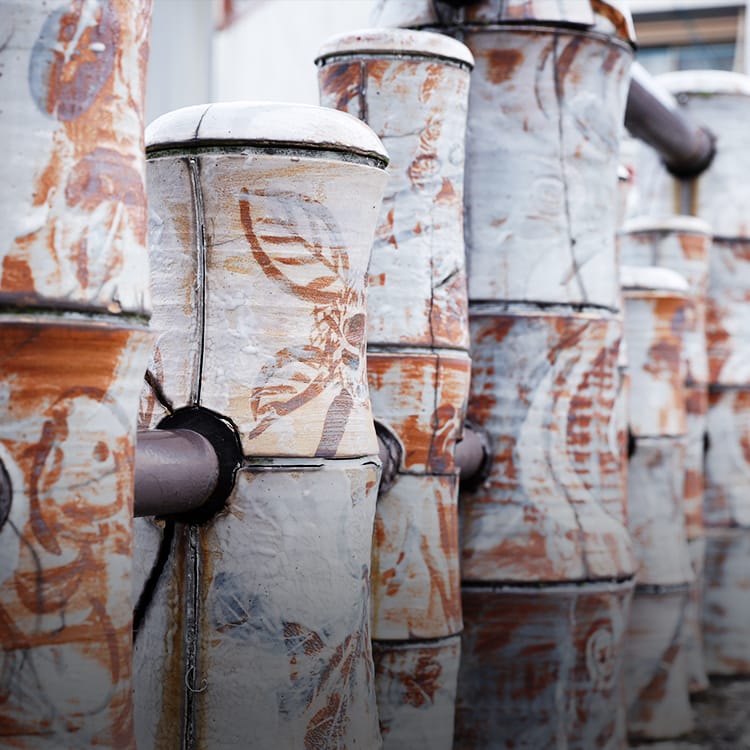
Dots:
(175, 471)
(654, 116)
(391, 453)
(473, 454)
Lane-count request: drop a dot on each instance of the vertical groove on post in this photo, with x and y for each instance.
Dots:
(200, 239)
(363, 91)
(192, 666)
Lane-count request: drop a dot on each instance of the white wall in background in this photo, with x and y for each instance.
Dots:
(658, 6)
(268, 53)
(179, 69)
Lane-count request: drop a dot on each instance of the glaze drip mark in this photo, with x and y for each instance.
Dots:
(334, 356)
(73, 58)
(104, 175)
(561, 68)
(502, 63)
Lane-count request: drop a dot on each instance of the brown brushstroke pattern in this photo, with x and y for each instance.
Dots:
(522, 648)
(73, 444)
(93, 179)
(337, 339)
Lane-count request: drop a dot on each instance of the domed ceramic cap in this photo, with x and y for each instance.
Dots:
(396, 42)
(706, 82)
(265, 124)
(611, 17)
(654, 280)
(675, 223)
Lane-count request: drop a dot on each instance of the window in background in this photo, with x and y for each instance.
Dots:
(692, 39)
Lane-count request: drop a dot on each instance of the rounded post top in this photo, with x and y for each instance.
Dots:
(381, 41)
(610, 17)
(655, 281)
(666, 224)
(266, 125)
(705, 82)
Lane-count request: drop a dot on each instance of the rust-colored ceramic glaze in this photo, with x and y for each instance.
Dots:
(656, 666)
(654, 325)
(267, 638)
(552, 78)
(727, 460)
(67, 439)
(73, 229)
(541, 198)
(421, 396)
(695, 455)
(727, 311)
(682, 244)
(258, 634)
(412, 89)
(416, 687)
(260, 270)
(544, 386)
(524, 648)
(610, 17)
(416, 584)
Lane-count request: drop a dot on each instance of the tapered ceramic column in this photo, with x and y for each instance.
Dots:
(727, 463)
(656, 680)
(545, 334)
(682, 243)
(721, 101)
(541, 167)
(412, 88)
(258, 631)
(74, 304)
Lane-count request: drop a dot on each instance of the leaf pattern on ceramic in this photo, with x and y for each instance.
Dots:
(315, 269)
(78, 505)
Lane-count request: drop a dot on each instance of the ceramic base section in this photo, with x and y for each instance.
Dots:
(727, 459)
(656, 666)
(67, 442)
(266, 641)
(656, 511)
(540, 667)
(416, 689)
(544, 384)
(416, 581)
(697, 677)
(726, 603)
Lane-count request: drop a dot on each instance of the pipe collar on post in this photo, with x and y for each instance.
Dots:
(186, 467)
(474, 455)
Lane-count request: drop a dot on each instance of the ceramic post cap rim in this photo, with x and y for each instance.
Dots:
(265, 124)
